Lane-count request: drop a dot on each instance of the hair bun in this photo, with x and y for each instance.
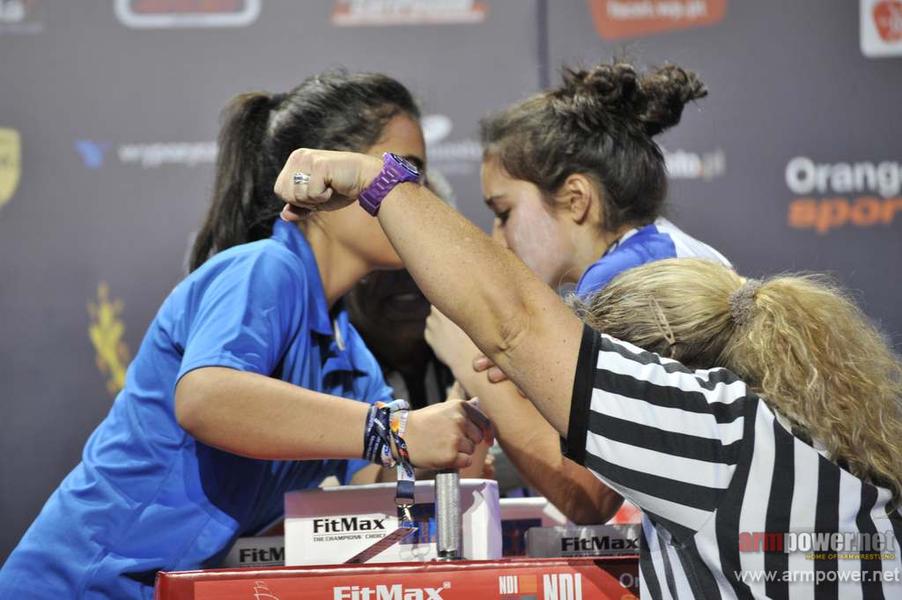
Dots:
(654, 100)
(668, 89)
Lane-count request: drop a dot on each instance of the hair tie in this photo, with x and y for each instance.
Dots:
(742, 302)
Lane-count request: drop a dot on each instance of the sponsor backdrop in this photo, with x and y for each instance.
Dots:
(109, 113)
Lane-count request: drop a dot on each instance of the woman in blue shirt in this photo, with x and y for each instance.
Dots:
(577, 184)
(249, 379)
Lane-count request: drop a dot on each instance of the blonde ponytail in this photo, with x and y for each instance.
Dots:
(797, 341)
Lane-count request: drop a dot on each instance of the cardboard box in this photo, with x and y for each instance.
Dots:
(262, 551)
(613, 577)
(519, 515)
(329, 526)
(588, 540)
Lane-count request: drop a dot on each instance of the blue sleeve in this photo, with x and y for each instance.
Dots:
(246, 316)
(372, 388)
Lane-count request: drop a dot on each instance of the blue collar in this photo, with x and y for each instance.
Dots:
(318, 318)
(639, 232)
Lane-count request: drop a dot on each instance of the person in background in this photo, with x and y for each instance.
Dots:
(766, 406)
(389, 311)
(576, 180)
(250, 381)
(577, 184)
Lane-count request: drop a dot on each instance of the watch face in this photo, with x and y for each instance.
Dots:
(406, 164)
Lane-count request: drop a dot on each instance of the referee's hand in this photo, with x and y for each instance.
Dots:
(482, 363)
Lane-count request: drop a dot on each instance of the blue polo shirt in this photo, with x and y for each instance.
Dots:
(147, 495)
(655, 241)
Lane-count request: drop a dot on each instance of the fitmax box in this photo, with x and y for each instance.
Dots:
(519, 515)
(329, 526)
(261, 551)
(587, 540)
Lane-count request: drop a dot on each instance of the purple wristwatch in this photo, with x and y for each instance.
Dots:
(395, 170)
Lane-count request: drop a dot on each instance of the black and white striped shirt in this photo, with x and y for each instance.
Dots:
(711, 464)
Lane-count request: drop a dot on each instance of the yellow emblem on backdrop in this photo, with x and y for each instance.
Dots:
(10, 163)
(106, 331)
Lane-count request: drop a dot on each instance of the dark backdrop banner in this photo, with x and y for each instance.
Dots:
(109, 113)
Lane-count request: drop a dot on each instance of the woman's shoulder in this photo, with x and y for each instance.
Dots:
(267, 258)
(686, 246)
(261, 269)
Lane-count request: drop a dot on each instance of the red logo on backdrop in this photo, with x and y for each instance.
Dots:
(888, 20)
(155, 7)
(164, 14)
(617, 19)
(355, 13)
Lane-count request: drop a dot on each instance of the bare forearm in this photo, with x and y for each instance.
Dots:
(489, 293)
(261, 417)
(510, 314)
(533, 446)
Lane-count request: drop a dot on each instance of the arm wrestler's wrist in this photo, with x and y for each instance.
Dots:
(369, 170)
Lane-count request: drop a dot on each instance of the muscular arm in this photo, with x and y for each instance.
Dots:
(513, 317)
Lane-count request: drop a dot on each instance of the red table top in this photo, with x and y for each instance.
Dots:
(506, 579)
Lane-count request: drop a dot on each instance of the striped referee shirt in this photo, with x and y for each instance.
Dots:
(715, 471)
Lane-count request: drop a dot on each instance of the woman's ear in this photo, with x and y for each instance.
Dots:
(577, 195)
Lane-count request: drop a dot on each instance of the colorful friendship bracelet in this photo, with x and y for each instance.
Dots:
(387, 423)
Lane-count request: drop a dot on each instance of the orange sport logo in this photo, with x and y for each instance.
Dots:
(618, 19)
(836, 195)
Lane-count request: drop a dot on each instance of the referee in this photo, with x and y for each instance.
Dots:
(709, 461)
(749, 420)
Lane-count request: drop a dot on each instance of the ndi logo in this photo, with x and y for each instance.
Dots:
(563, 586)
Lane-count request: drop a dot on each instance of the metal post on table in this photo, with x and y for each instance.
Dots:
(447, 515)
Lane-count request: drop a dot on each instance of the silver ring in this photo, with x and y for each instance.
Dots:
(301, 177)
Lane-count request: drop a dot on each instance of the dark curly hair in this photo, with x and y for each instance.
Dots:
(600, 122)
